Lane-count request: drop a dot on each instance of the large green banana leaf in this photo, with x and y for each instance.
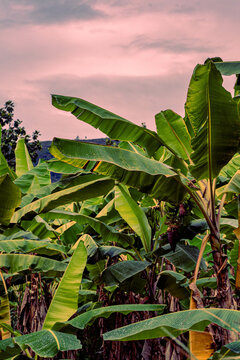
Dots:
(65, 301)
(23, 159)
(176, 323)
(108, 233)
(75, 193)
(214, 118)
(10, 198)
(45, 343)
(130, 168)
(110, 124)
(133, 215)
(173, 132)
(87, 318)
(21, 262)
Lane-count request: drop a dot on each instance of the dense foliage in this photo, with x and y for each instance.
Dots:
(134, 252)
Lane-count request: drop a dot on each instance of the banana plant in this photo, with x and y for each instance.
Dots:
(188, 155)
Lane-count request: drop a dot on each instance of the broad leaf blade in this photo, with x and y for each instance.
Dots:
(65, 301)
(130, 168)
(110, 124)
(134, 215)
(176, 323)
(214, 118)
(87, 318)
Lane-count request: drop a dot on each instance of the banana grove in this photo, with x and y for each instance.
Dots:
(134, 253)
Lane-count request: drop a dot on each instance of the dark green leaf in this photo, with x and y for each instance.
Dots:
(110, 124)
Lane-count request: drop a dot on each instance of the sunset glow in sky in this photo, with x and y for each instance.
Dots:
(134, 58)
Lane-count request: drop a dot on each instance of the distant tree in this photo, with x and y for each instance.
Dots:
(12, 131)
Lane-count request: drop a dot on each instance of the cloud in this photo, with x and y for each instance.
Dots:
(14, 12)
(171, 45)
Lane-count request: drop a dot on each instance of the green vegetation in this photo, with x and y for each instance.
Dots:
(134, 252)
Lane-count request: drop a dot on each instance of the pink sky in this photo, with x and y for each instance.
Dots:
(134, 58)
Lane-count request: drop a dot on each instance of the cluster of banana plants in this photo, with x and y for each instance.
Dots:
(145, 234)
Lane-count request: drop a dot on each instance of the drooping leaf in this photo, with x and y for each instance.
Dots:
(10, 198)
(176, 323)
(74, 193)
(214, 118)
(110, 124)
(87, 318)
(173, 132)
(134, 215)
(130, 168)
